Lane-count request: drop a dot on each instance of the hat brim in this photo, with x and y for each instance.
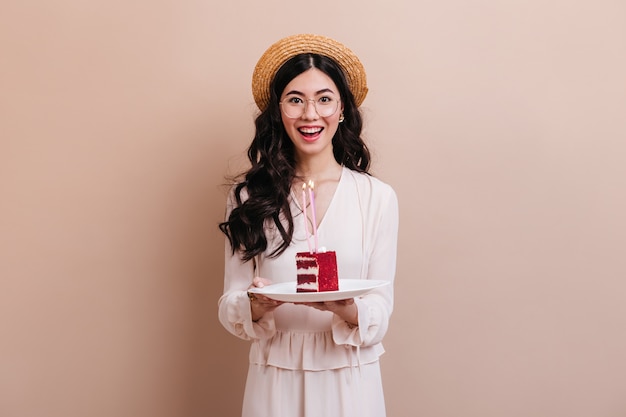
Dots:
(286, 48)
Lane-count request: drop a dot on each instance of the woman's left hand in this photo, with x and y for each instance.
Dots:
(346, 309)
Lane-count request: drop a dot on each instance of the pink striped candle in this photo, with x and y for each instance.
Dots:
(305, 218)
(313, 214)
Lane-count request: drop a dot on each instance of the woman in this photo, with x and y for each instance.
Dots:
(309, 359)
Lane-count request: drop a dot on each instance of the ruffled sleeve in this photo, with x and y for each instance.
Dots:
(380, 217)
(234, 306)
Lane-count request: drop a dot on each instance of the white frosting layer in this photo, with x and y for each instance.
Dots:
(308, 286)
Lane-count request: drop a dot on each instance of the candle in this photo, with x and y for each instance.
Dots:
(313, 214)
(305, 219)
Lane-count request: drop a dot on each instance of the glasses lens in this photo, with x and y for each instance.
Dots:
(294, 107)
(326, 106)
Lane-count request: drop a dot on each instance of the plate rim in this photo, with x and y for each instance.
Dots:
(318, 296)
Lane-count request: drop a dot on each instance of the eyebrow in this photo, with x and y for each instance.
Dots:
(322, 91)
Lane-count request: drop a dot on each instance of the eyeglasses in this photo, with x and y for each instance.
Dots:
(294, 106)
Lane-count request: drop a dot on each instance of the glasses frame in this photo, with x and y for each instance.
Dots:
(304, 108)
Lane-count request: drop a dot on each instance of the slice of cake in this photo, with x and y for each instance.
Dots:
(317, 272)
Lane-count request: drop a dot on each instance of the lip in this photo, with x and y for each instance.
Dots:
(314, 132)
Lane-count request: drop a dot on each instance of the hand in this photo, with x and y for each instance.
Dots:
(260, 304)
(346, 309)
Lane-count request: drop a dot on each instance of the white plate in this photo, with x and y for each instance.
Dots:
(348, 288)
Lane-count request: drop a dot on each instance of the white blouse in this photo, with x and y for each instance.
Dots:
(361, 226)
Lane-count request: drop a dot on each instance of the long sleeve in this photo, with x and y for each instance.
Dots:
(380, 213)
(234, 306)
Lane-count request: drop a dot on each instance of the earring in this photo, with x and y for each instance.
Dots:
(341, 118)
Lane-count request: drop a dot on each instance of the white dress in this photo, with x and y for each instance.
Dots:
(310, 363)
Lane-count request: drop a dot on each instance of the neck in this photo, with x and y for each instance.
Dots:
(318, 170)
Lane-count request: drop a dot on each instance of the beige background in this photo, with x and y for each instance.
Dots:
(499, 123)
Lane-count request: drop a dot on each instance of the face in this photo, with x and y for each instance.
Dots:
(311, 133)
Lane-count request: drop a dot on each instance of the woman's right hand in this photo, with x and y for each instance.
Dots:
(260, 304)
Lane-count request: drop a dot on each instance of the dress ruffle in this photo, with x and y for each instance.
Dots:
(310, 351)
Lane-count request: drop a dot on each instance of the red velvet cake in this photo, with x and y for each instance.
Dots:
(317, 272)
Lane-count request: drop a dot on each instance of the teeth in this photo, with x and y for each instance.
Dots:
(310, 129)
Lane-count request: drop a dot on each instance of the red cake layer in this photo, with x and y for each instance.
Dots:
(317, 272)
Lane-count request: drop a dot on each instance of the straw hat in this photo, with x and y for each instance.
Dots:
(286, 48)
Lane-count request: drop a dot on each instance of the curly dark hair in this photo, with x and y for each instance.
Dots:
(268, 181)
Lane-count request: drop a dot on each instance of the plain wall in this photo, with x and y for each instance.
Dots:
(501, 125)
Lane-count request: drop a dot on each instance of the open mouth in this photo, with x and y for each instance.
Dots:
(310, 132)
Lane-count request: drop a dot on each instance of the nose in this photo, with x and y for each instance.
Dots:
(310, 112)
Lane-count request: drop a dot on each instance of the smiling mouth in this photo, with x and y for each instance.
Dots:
(310, 132)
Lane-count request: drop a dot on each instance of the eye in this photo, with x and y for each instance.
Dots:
(294, 100)
(326, 100)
